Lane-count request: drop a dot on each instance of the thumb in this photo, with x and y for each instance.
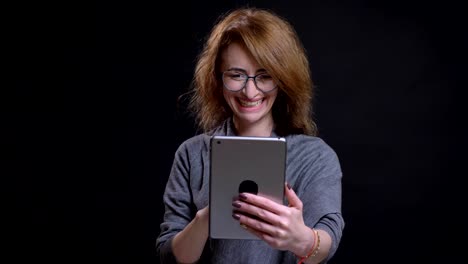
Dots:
(293, 200)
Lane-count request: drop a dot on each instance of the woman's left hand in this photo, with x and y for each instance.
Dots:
(282, 227)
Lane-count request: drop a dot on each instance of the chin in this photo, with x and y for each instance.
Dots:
(250, 118)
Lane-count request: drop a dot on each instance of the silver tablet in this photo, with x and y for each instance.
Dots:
(243, 164)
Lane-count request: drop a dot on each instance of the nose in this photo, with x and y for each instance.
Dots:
(250, 90)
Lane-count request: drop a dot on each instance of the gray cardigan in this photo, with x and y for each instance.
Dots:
(312, 169)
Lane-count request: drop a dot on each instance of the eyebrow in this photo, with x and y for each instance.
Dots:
(243, 70)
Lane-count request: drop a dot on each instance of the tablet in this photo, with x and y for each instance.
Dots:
(243, 164)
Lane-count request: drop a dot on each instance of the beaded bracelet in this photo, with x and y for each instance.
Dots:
(314, 249)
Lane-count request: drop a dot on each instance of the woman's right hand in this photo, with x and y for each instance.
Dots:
(203, 215)
(188, 244)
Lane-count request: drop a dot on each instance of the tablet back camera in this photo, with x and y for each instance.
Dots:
(248, 186)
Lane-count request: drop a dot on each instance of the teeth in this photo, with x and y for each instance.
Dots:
(250, 103)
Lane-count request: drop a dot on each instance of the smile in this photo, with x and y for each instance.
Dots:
(246, 103)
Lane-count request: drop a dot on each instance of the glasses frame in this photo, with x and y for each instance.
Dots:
(247, 77)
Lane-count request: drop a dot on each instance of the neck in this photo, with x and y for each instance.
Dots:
(261, 128)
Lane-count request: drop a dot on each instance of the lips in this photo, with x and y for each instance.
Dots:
(249, 103)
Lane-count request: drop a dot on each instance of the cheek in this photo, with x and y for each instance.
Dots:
(272, 97)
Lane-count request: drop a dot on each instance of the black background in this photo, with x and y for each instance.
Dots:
(90, 122)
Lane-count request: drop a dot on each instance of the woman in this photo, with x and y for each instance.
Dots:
(252, 79)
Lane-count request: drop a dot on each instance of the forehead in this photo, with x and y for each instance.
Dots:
(237, 56)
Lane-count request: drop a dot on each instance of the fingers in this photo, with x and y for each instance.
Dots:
(272, 222)
(267, 216)
(262, 202)
(260, 219)
(258, 226)
(254, 212)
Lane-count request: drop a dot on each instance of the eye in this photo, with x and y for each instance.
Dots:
(236, 76)
(264, 77)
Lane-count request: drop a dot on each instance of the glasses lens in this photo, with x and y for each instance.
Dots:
(235, 81)
(265, 82)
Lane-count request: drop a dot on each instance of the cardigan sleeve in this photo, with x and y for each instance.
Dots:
(179, 209)
(318, 185)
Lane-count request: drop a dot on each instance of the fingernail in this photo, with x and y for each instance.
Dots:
(242, 196)
(289, 186)
(236, 216)
(236, 204)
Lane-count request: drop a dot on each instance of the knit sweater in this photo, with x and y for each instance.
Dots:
(312, 169)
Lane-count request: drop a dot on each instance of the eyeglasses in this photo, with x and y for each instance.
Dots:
(235, 81)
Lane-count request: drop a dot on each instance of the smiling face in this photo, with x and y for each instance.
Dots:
(250, 106)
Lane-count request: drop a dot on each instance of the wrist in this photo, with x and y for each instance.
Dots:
(313, 249)
(304, 244)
